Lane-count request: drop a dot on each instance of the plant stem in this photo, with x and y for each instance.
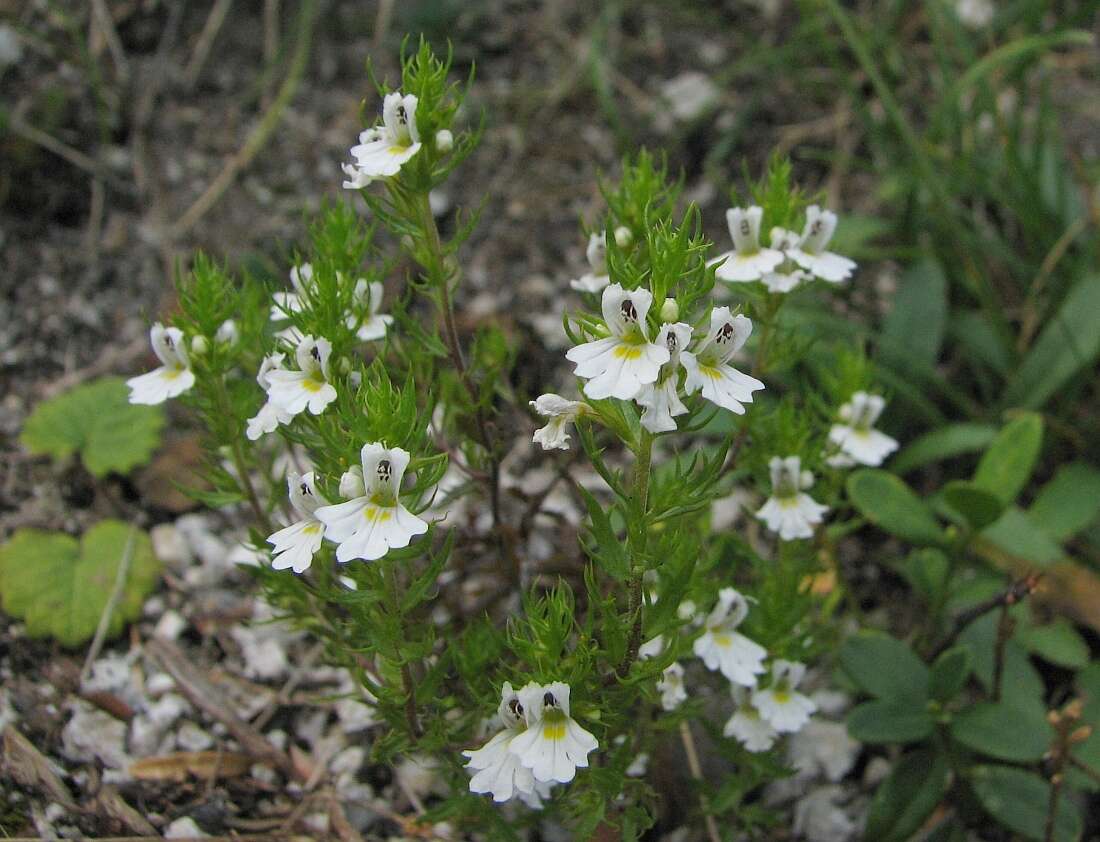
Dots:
(439, 275)
(1017, 591)
(411, 718)
(244, 479)
(636, 542)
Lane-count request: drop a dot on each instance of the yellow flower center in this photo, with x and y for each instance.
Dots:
(553, 725)
(312, 385)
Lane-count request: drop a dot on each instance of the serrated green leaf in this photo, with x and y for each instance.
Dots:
(915, 786)
(1068, 344)
(1069, 502)
(943, 443)
(1002, 731)
(883, 721)
(949, 673)
(98, 421)
(60, 586)
(1057, 642)
(885, 667)
(1006, 465)
(890, 504)
(913, 331)
(1017, 534)
(1019, 799)
(978, 506)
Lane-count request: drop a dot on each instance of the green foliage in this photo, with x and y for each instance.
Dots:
(913, 332)
(1018, 799)
(943, 443)
(60, 586)
(1004, 732)
(949, 674)
(1007, 463)
(913, 789)
(97, 421)
(886, 501)
(1069, 502)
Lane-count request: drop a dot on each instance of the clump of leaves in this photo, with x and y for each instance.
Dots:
(97, 421)
(60, 586)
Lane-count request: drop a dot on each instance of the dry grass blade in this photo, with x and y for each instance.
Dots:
(111, 803)
(26, 765)
(206, 765)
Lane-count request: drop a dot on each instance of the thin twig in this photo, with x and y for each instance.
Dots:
(696, 770)
(121, 575)
(382, 22)
(260, 134)
(205, 43)
(62, 150)
(271, 31)
(1017, 591)
(102, 17)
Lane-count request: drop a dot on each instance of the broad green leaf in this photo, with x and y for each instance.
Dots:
(1021, 684)
(1088, 685)
(972, 330)
(943, 443)
(1069, 502)
(1057, 642)
(1018, 535)
(949, 673)
(60, 586)
(1088, 753)
(1018, 800)
(915, 786)
(883, 721)
(926, 570)
(890, 504)
(978, 506)
(885, 667)
(98, 421)
(1069, 343)
(1007, 464)
(913, 331)
(1004, 732)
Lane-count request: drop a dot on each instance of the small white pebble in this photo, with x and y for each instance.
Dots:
(183, 828)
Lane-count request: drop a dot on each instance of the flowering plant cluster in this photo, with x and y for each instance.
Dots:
(365, 434)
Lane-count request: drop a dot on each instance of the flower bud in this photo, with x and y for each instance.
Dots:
(623, 237)
(444, 140)
(345, 365)
(199, 345)
(1080, 735)
(670, 310)
(228, 332)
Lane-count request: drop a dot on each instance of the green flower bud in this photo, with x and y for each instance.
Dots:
(670, 310)
(444, 140)
(199, 345)
(623, 237)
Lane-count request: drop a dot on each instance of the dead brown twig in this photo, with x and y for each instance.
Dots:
(1017, 591)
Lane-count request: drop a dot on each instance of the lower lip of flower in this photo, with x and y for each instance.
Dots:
(627, 352)
(311, 385)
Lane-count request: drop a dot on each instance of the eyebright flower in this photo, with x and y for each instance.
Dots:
(661, 400)
(561, 412)
(301, 278)
(597, 279)
(173, 378)
(295, 546)
(495, 769)
(374, 521)
(368, 298)
(227, 332)
(780, 705)
(810, 252)
(856, 437)
(784, 281)
(749, 261)
(722, 648)
(620, 364)
(746, 725)
(671, 687)
(384, 149)
(271, 415)
(651, 648)
(554, 746)
(708, 365)
(293, 391)
(790, 511)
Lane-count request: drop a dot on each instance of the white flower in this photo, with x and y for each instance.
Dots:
(661, 400)
(173, 378)
(495, 769)
(368, 298)
(293, 391)
(356, 179)
(444, 140)
(561, 412)
(271, 415)
(671, 687)
(596, 253)
(554, 746)
(790, 511)
(301, 278)
(382, 150)
(783, 239)
(749, 261)
(722, 648)
(227, 332)
(620, 364)
(977, 14)
(295, 545)
(746, 725)
(373, 523)
(708, 365)
(780, 705)
(784, 281)
(652, 648)
(810, 252)
(856, 437)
